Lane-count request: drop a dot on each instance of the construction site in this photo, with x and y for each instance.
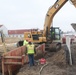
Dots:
(55, 54)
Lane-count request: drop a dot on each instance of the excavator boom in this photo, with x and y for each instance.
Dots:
(51, 13)
(46, 35)
(73, 2)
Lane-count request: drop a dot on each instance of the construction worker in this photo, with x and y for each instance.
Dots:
(25, 42)
(30, 50)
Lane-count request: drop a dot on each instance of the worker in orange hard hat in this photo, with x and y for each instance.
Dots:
(30, 51)
(25, 42)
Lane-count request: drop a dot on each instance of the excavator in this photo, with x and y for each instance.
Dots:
(50, 35)
(52, 40)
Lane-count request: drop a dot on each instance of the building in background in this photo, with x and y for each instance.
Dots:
(19, 33)
(4, 29)
(14, 33)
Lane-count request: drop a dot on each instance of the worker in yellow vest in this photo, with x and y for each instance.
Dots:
(25, 42)
(30, 50)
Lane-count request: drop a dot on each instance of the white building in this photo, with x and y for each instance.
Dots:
(14, 33)
(4, 29)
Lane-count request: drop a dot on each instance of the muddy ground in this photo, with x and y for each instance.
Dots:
(55, 65)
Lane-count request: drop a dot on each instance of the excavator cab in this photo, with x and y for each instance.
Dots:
(55, 33)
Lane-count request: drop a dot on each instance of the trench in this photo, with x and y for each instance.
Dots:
(57, 58)
(58, 64)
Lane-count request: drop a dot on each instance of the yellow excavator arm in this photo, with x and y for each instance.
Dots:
(41, 37)
(73, 2)
(51, 13)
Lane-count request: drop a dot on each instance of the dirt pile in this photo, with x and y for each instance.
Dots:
(55, 66)
(11, 40)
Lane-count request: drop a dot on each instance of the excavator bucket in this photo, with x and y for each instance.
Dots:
(74, 2)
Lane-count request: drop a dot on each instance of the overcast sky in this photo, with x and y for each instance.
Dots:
(26, 14)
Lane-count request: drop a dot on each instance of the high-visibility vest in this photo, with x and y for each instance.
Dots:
(25, 42)
(30, 49)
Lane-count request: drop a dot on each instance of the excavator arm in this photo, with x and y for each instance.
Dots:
(51, 13)
(41, 37)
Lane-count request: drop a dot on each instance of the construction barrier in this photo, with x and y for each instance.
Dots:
(68, 39)
(14, 59)
(40, 51)
(64, 39)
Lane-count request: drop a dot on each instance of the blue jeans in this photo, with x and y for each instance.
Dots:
(31, 59)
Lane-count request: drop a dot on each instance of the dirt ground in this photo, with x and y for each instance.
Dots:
(10, 44)
(55, 65)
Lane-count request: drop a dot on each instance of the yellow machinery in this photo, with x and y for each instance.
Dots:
(35, 36)
(53, 42)
(46, 36)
